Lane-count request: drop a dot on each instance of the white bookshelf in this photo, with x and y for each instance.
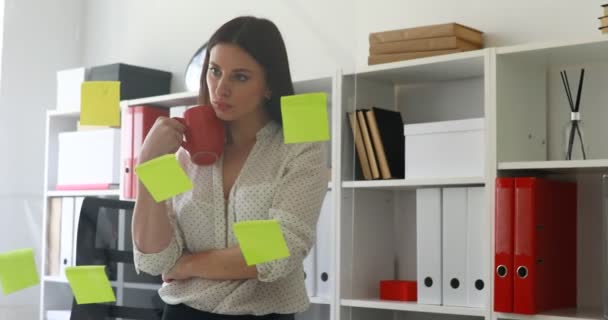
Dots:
(55, 291)
(531, 111)
(514, 89)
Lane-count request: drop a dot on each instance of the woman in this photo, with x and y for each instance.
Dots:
(189, 239)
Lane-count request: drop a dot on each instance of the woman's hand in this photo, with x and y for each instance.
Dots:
(180, 270)
(165, 137)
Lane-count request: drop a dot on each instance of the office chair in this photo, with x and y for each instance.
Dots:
(104, 238)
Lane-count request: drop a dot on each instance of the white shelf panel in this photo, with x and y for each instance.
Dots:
(314, 85)
(558, 166)
(411, 306)
(63, 114)
(191, 98)
(559, 52)
(454, 66)
(143, 286)
(319, 300)
(56, 279)
(399, 184)
(82, 193)
(561, 314)
(166, 101)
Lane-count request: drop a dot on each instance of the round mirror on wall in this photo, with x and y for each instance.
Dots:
(194, 69)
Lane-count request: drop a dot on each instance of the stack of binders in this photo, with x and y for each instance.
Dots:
(318, 264)
(452, 253)
(425, 41)
(535, 245)
(137, 121)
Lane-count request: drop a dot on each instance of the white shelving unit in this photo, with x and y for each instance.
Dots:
(517, 90)
(531, 111)
(55, 291)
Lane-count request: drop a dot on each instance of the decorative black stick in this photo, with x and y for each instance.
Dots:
(580, 90)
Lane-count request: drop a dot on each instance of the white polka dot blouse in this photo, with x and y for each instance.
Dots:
(286, 182)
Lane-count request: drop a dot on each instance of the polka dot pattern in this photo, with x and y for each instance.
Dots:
(278, 181)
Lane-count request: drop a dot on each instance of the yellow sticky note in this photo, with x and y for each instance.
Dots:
(90, 284)
(163, 177)
(261, 241)
(18, 270)
(100, 103)
(305, 117)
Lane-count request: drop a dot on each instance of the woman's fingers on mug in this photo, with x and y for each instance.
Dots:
(176, 124)
(179, 137)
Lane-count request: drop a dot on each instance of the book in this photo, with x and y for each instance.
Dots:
(432, 31)
(385, 171)
(390, 130)
(369, 148)
(392, 57)
(604, 21)
(431, 44)
(604, 29)
(359, 147)
(605, 9)
(53, 237)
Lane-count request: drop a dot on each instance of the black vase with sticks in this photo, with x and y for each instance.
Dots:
(574, 145)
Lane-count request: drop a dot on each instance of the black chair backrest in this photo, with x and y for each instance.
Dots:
(104, 238)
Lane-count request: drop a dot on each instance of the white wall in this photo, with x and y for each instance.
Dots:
(321, 35)
(39, 38)
(164, 34)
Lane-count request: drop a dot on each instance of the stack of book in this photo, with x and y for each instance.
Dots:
(604, 20)
(379, 144)
(418, 42)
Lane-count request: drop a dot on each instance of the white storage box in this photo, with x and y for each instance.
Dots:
(88, 160)
(69, 84)
(445, 149)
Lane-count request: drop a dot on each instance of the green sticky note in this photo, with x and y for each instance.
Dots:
(261, 241)
(305, 117)
(163, 177)
(90, 284)
(100, 103)
(18, 270)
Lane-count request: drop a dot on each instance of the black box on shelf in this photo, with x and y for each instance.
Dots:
(135, 82)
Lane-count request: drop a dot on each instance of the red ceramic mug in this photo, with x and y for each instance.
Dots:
(204, 135)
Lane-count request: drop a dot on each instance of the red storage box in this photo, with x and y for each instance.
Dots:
(398, 290)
